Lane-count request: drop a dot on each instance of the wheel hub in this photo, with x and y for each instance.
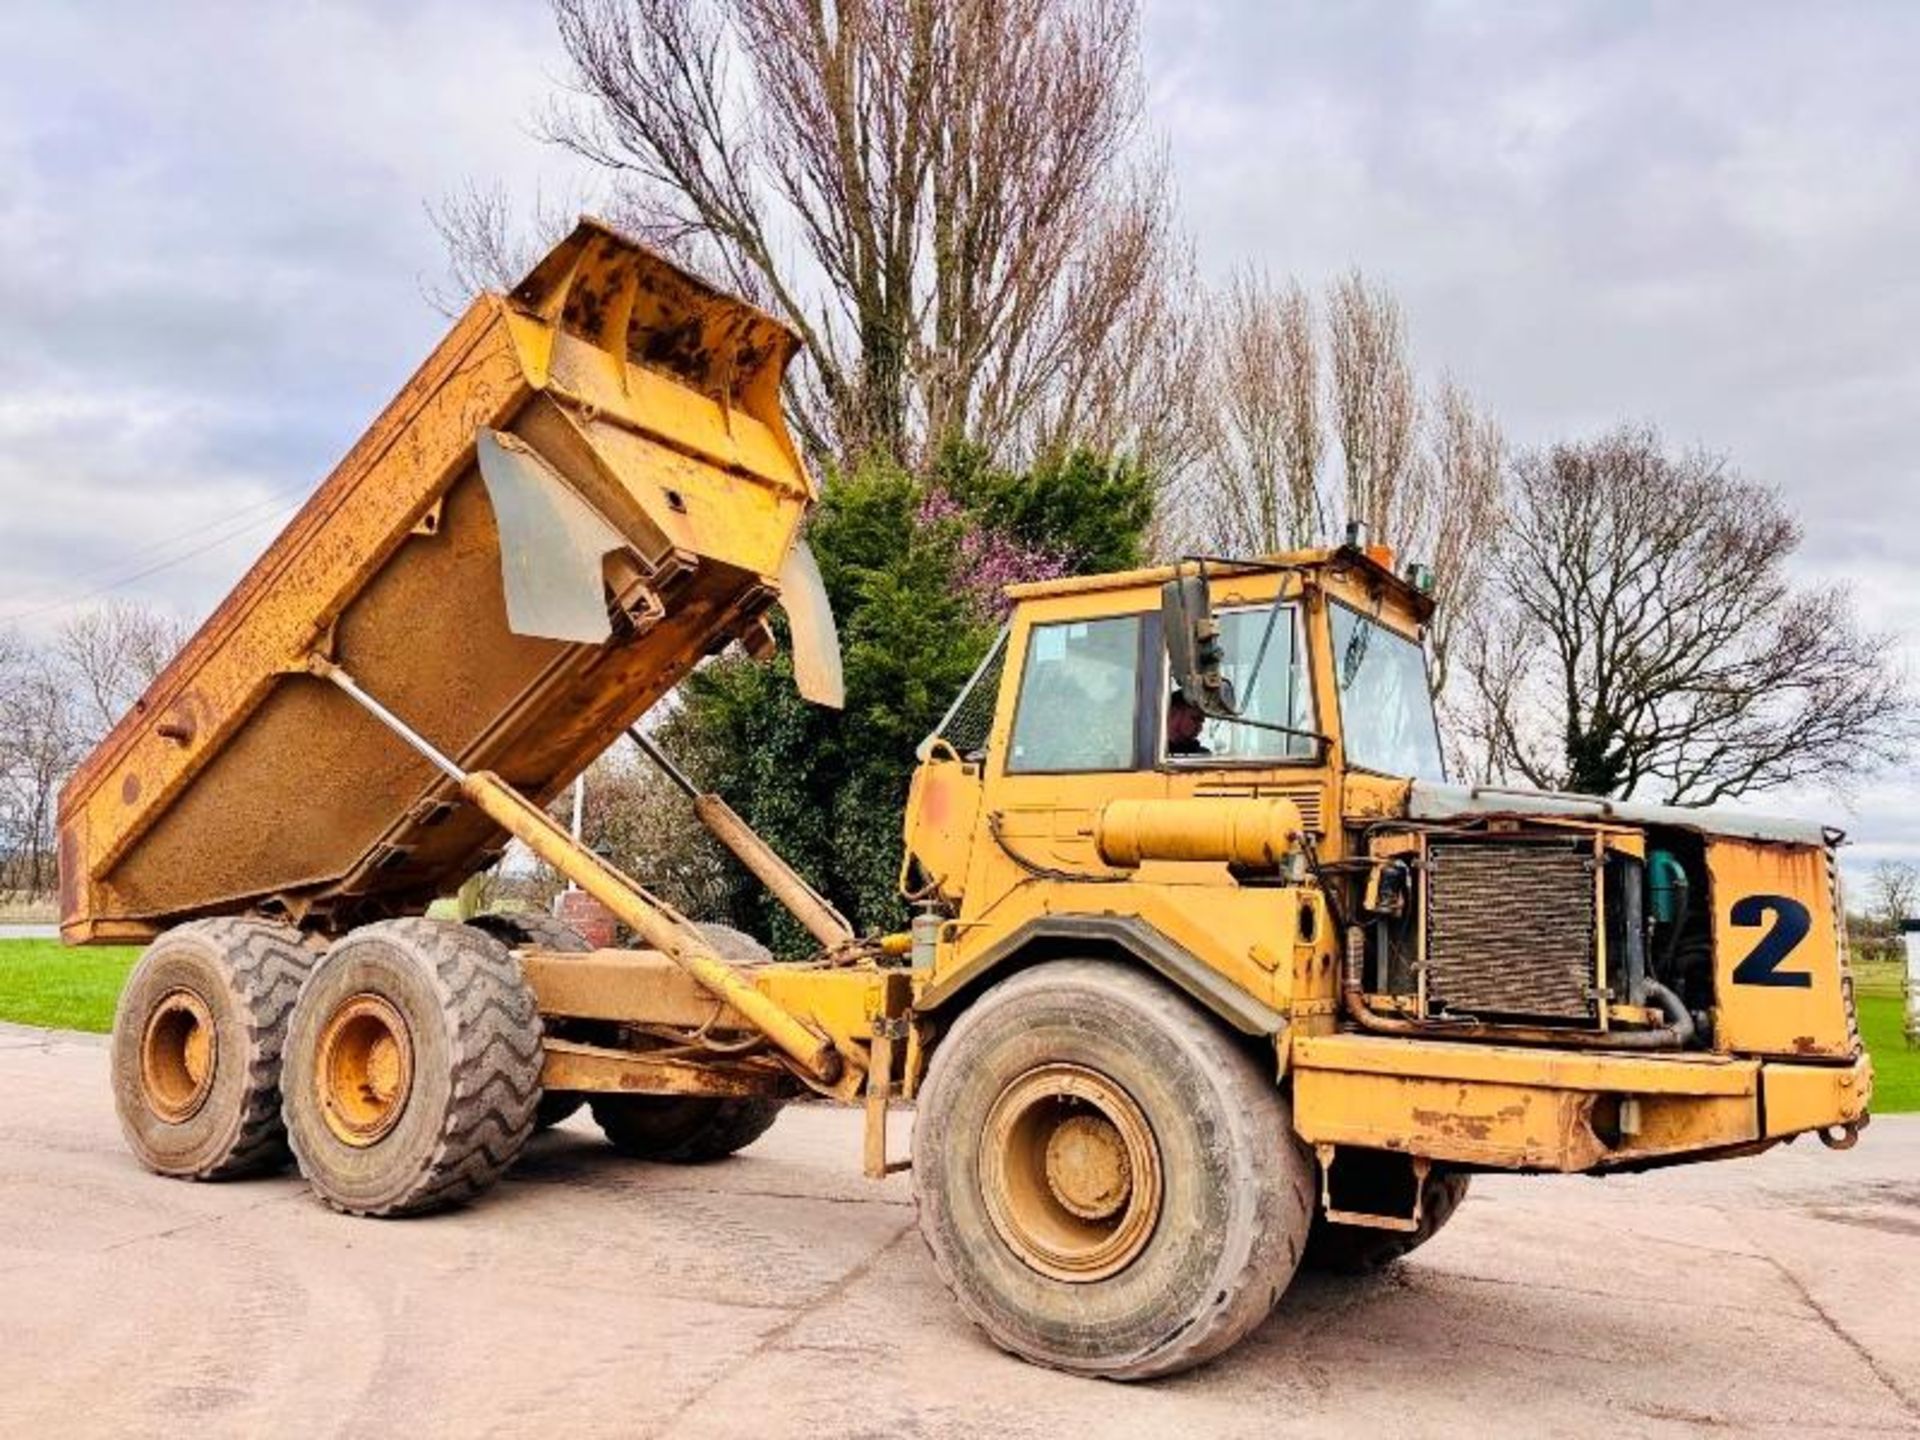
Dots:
(1070, 1172)
(1087, 1167)
(178, 1052)
(365, 1072)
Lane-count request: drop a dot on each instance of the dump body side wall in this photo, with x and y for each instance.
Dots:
(241, 782)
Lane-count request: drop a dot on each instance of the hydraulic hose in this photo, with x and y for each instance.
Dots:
(1676, 1034)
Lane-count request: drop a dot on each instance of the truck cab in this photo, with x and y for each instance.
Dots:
(1465, 976)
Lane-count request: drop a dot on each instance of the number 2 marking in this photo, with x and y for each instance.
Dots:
(1790, 925)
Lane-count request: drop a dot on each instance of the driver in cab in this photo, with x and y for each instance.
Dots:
(1184, 722)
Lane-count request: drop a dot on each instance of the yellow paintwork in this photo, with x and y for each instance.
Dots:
(1254, 833)
(657, 399)
(1804, 1020)
(1514, 1108)
(654, 921)
(1798, 1098)
(1247, 934)
(943, 809)
(843, 1003)
(1003, 849)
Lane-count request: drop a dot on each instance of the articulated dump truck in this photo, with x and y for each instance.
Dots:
(1211, 974)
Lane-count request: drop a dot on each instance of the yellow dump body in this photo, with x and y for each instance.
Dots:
(635, 400)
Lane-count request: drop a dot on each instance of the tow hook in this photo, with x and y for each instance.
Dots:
(1842, 1137)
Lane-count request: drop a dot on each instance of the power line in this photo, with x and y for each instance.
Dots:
(153, 569)
(273, 499)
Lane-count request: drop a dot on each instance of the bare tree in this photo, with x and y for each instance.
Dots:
(1127, 374)
(490, 244)
(1452, 520)
(39, 744)
(1376, 403)
(941, 196)
(1893, 896)
(1646, 637)
(1263, 468)
(1426, 479)
(111, 654)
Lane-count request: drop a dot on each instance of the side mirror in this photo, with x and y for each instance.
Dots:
(1193, 645)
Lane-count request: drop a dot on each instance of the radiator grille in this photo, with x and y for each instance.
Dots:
(1510, 928)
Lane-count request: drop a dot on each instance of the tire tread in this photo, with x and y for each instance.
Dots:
(496, 1054)
(1252, 1110)
(265, 964)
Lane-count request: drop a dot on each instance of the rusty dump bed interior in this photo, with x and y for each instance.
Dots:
(242, 781)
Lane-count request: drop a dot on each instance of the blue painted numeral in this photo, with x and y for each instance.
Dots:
(1790, 925)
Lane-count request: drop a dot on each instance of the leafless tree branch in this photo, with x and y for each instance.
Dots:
(1647, 637)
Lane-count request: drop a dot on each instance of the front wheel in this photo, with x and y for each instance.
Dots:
(1107, 1183)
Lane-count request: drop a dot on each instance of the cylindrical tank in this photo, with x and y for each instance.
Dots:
(1253, 834)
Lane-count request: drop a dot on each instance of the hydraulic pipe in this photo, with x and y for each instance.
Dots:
(783, 882)
(656, 922)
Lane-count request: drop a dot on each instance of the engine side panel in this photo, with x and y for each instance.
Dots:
(1780, 974)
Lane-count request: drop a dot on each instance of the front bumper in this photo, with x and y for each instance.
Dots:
(1514, 1108)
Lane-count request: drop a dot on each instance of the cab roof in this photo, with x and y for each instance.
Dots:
(1374, 562)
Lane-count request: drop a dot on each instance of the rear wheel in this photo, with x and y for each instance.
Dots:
(691, 1129)
(535, 931)
(412, 1068)
(1108, 1184)
(531, 931)
(682, 1129)
(197, 1038)
(734, 945)
(1378, 1183)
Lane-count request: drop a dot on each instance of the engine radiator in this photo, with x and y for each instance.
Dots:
(1511, 928)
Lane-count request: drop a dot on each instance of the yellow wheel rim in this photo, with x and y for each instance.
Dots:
(1071, 1173)
(365, 1070)
(178, 1051)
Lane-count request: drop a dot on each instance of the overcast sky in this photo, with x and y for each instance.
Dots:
(213, 244)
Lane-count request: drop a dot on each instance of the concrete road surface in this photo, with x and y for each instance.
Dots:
(779, 1294)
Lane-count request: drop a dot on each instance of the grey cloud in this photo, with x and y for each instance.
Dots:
(212, 240)
(212, 248)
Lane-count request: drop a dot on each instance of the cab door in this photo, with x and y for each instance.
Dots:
(1078, 725)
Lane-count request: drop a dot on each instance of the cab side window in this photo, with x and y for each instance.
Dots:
(1265, 659)
(1079, 692)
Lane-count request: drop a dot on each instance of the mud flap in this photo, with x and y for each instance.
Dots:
(552, 545)
(816, 640)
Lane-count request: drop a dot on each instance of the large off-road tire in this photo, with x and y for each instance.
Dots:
(197, 1040)
(534, 931)
(412, 1068)
(531, 931)
(1108, 1183)
(1379, 1183)
(691, 1129)
(682, 1129)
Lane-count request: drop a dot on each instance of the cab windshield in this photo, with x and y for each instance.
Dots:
(1386, 708)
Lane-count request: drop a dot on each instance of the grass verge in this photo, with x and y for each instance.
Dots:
(44, 983)
(1896, 1069)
